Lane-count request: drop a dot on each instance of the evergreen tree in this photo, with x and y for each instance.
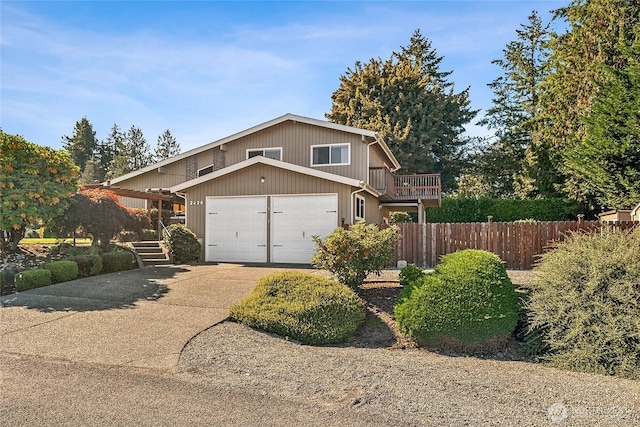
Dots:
(166, 147)
(412, 105)
(116, 155)
(82, 145)
(91, 172)
(607, 159)
(510, 165)
(138, 149)
(598, 31)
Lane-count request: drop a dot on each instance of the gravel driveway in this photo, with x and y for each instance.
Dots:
(407, 387)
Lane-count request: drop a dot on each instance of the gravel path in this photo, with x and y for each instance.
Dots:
(407, 387)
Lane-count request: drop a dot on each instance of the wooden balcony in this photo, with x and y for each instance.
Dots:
(424, 187)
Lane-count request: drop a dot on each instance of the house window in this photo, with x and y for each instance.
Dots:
(359, 209)
(334, 154)
(205, 170)
(270, 153)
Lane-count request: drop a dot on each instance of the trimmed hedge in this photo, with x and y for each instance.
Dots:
(584, 304)
(468, 303)
(31, 279)
(305, 307)
(470, 209)
(62, 271)
(182, 244)
(88, 265)
(117, 261)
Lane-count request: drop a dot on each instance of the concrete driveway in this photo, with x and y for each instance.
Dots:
(138, 318)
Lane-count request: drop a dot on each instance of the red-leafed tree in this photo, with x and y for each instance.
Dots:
(100, 214)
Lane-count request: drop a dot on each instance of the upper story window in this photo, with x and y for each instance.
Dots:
(271, 153)
(205, 170)
(332, 154)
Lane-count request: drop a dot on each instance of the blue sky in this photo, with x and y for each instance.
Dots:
(208, 69)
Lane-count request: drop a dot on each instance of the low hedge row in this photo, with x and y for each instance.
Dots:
(88, 265)
(74, 267)
(31, 279)
(62, 271)
(117, 261)
(471, 209)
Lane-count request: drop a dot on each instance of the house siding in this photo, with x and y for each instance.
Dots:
(296, 140)
(246, 182)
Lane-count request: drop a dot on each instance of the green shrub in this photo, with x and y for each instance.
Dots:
(88, 265)
(467, 303)
(410, 276)
(585, 302)
(399, 217)
(305, 307)
(472, 209)
(62, 271)
(31, 279)
(117, 261)
(351, 255)
(182, 244)
(127, 236)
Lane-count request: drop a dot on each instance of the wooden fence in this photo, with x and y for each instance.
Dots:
(518, 244)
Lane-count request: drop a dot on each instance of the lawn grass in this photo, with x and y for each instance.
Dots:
(53, 241)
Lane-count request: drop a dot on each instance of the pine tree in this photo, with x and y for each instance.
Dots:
(116, 157)
(598, 31)
(82, 145)
(91, 172)
(607, 159)
(411, 103)
(513, 114)
(138, 149)
(166, 147)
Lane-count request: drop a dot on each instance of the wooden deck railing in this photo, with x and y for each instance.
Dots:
(405, 187)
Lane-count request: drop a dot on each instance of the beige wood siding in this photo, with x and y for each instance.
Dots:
(296, 140)
(167, 176)
(246, 182)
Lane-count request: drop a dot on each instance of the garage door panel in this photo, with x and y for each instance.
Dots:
(295, 220)
(236, 229)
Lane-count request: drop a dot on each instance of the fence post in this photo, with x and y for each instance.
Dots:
(489, 233)
(580, 221)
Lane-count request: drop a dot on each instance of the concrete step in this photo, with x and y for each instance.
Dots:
(145, 250)
(149, 244)
(151, 253)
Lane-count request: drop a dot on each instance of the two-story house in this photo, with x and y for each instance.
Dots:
(261, 194)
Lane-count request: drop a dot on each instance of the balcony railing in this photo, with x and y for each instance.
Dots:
(405, 187)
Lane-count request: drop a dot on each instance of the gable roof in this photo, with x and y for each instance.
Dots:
(257, 128)
(278, 164)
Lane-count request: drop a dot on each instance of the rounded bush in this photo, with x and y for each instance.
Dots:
(182, 244)
(117, 261)
(31, 279)
(467, 303)
(62, 271)
(304, 307)
(585, 303)
(88, 265)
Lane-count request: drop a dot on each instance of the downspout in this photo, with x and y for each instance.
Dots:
(352, 199)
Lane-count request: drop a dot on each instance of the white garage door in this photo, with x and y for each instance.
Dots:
(295, 219)
(236, 229)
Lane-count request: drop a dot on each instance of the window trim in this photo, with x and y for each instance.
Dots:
(206, 167)
(263, 150)
(339, 144)
(357, 207)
